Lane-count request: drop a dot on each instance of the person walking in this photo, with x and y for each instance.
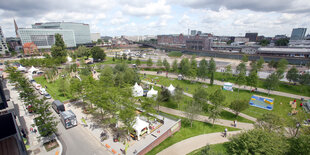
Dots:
(225, 132)
(235, 123)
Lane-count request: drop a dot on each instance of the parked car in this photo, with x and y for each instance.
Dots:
(68, 119)
(34, 84)
(58, 106)
(47, 95)
(38, 86)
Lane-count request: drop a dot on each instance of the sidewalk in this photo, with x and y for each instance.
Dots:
(35, 145)
(171, 75)
(225, 108)
(191, 144)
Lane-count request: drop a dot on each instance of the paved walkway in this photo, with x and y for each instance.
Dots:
(227, 109)
(188, 145)
(171, 75)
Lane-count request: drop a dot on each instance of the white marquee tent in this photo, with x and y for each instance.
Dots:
(152, 93)
(33, 70)
(139, 126)
(137, 90)
(171, 89)
(21, 68)
(69, 59)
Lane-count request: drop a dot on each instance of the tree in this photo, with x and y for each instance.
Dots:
(292, 74)
(304, 81)
(193, 62)
(217, 99)
(192, 111)
(264, 42)
(128, 117)
(98, 53)
(271, 123)
(164, 95)
(178, 95)
(166, 64)
(272, 64)
(107, 77)
(83, 51)
(245, 58)
(159, 63)
(228, 72)
(282, 42)
(260, 63)
(252, 79)
(258, 142)
(299, 145)
(59, 48)
(185, 67)
(175, 66)
(138, 62)
(212, 69)
(241, 78)
(203, 69)
(201, 97)
(308, 65)
(130, 58)
(99, 41)
(272, 82)
(149, 62)
(239, 105)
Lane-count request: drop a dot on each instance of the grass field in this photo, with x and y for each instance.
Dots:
(280, 109)
(214, 149)
(186, 132)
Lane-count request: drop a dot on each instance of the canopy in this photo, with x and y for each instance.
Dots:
(228, 86)
(152, 93)
(139, 126)
(171, 89)
(32, 69)
(21, 68)
(137, 90)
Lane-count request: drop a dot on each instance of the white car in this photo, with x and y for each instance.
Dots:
(48, 96)
(42, 91)
(38, 86)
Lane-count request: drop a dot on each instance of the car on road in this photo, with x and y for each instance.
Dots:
(38, 86)
(58, 106)
(42, 91)
(47, 95)
(68, 119)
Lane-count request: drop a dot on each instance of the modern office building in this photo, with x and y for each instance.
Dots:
(252, 36)
(95, 36)
(45, 38)
(81, 31)
(298, 33)
(14, 43)
(193, 32)
(197, 42)
(3, 45)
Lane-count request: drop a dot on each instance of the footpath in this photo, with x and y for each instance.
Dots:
(171, 75)
(35, 144)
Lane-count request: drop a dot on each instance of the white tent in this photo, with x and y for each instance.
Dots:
(171, 89)
(32, 69)
(69, 59)
(137, 90)
(21, 68)
(228, 86)
(139, 126)
(29, 76)
(152, 93)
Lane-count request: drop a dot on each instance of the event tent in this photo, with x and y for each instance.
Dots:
(137, 90)
(228, 86)
(21, 68)
(152, 93)
(33, 70)
(69, 59)
(171, 89)
(140, 126)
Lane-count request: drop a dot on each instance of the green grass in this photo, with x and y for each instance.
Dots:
(280, 109)
(175, 54)
(186, 132)
(214, 149)
(109, 60)
(52, 88)
(283, 87)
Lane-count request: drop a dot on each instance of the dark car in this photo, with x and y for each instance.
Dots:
(58, 106)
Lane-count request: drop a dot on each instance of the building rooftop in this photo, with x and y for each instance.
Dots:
(285, 50)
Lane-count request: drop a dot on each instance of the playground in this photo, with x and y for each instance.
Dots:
(262, 102)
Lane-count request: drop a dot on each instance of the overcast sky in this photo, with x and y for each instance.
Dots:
(142, 17)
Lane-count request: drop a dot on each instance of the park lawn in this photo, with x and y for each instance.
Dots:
(283, 87)
(109, 60)
(52, 88)
(214, 148)
(187, 132)
(279, 109)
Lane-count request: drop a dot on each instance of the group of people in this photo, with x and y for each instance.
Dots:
(225, 131)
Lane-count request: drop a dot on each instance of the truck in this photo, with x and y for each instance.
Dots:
(68, 119)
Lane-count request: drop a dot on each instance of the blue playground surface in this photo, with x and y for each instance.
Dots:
(262, 102)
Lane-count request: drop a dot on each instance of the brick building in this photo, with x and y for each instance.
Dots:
(30, 48)
(198, 42)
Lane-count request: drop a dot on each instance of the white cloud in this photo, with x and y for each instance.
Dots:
(148, 9)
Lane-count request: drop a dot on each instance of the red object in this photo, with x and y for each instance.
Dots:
(301, 104)
(294, 100)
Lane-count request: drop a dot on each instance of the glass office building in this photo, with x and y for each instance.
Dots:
(3, 45)
(298, 33)
(81, 31)
(45, 38)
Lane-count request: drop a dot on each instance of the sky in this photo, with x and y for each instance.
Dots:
(154, 17)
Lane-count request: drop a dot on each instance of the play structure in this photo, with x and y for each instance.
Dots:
(228, 86)
(262, 102)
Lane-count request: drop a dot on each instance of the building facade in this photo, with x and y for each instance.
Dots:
(298, 33)
(197, 42)
(45, 38)
(95, 36)
(81, 30)
(252, 36)
(30, 48)
(3, 45)
(14, 43)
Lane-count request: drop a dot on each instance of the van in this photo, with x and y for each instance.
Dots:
(68, 119)
(58, 106)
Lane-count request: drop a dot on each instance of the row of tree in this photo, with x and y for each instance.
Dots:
(44, 119)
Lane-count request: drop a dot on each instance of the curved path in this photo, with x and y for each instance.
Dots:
(171, 75)
(191, 144)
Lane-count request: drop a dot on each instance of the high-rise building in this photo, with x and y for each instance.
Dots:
(81, 31)
(193, 32)
(252, 36)
(298, 33)
(199, 32)
(3, 45)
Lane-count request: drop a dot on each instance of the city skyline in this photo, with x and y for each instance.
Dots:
(154, 17)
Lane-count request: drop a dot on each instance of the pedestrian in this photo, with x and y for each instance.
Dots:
(225, 132)
(235, 123)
